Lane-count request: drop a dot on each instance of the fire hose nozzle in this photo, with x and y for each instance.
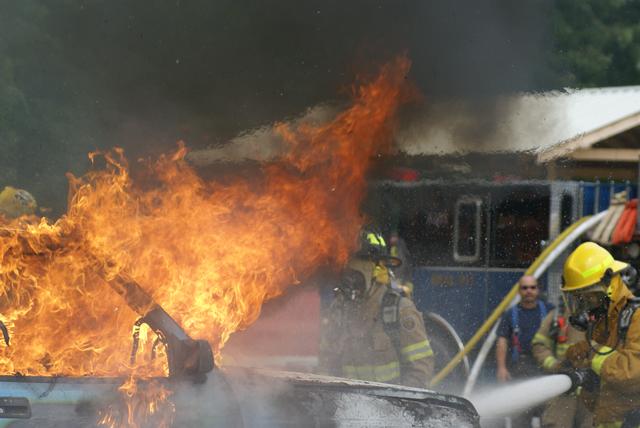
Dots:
(585, 378)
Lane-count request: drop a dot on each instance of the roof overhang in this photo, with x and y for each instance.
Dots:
(577, 147)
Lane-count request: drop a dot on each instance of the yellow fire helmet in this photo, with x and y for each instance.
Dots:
(587, 266)
(16, 202)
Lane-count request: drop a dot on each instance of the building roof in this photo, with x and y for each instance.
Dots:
(549, 124)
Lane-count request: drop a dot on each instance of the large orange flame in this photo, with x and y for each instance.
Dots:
(209, 253)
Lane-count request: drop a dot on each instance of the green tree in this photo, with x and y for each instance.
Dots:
(597, 42)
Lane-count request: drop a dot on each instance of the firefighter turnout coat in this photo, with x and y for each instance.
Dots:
(381, 338)
(549, 347)
(619, 371)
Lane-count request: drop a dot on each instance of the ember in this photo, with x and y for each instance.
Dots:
(210, 254)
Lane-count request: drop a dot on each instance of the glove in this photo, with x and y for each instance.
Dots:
(585, 378)
(579, 355)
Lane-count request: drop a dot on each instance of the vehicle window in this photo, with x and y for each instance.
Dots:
(467, 230)
(424, 216)
(426, 223)
(520, 224)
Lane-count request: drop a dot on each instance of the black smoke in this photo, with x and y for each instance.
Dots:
(225, 66)
(142, 75)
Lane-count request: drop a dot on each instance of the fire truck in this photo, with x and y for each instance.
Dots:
(470, 240)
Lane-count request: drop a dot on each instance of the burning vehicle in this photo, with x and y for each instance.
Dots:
(196, 393)
(185, 263)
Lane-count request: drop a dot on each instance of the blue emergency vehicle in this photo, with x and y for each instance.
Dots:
(470, 240)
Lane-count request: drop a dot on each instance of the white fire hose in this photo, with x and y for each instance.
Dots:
(546, 263)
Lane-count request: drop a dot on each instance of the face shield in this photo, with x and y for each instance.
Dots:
(585, 300)
(353, 284)
(356, 279)
(586, 305)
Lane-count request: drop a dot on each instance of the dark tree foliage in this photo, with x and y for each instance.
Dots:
(598, 42)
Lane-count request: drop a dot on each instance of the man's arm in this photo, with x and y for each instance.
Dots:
(415, 353)
(501, 357)
(502, 346)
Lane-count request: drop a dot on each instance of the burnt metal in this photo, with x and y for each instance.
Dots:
(136, 340)
(186, 356)
(5, 333)
(279, 399)
(154, 347)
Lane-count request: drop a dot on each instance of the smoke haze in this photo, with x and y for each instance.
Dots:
(86, 75)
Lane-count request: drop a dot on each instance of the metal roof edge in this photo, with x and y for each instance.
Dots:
(587, 139)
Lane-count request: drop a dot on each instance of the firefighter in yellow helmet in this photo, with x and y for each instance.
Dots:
(16, 202)
(372, 332)
(597, 293)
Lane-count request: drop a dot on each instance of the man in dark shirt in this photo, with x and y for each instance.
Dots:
(515, 333)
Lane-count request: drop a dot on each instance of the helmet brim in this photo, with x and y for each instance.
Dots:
(388, 261)
(616, 267)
